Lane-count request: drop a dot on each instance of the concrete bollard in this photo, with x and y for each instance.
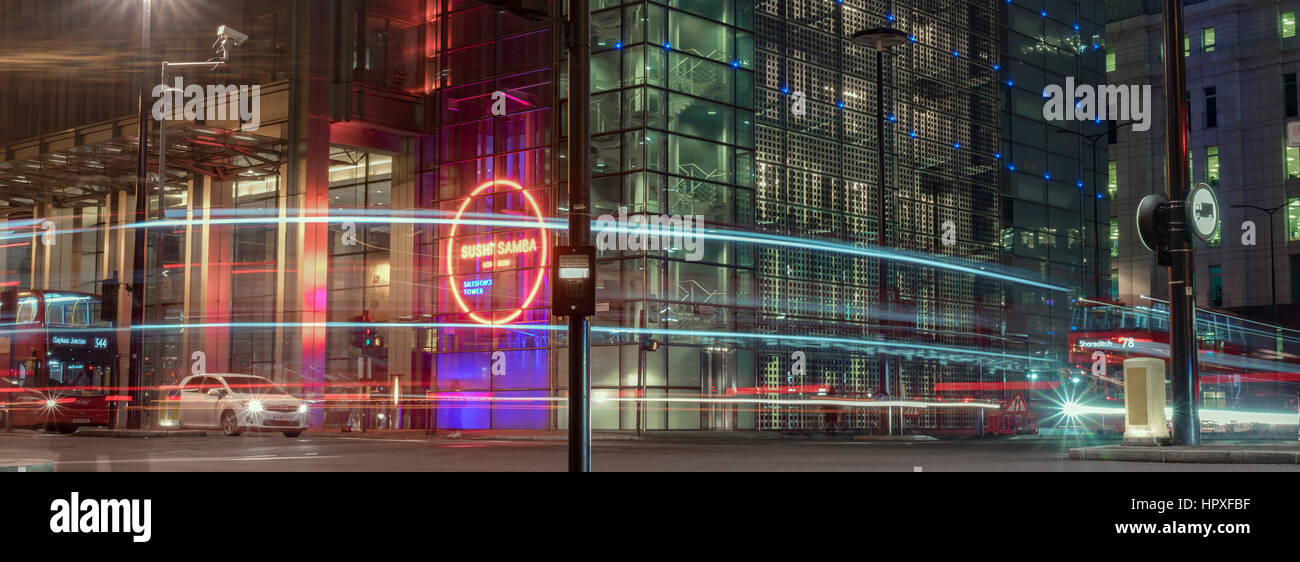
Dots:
(1144, 402)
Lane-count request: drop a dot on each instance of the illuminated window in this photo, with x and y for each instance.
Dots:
(1293, 219)
(1207, 40)
(1292, 162)
(1114, 284)
(1187, 45)
(1112, 187)
(1288, 24)
(1114, 237)
(1191, 167)
(1110, 59)
(1212, 164)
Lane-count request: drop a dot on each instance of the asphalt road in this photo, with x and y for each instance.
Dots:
(272, 453)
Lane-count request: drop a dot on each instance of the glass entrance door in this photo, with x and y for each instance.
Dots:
(718, 378)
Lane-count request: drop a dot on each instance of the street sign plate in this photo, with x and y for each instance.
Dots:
(1149, 226)
(1203, 211)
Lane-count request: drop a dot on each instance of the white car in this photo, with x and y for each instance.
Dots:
(237, 403)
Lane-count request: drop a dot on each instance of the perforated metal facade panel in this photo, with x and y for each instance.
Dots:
(816, 176)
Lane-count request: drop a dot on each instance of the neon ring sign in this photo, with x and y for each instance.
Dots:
(496, 255)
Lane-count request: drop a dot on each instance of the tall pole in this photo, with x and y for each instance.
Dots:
(579, 228)
(882, 280)
(1272, 262)
(1184, 372)
(882, 38)
(136, 371)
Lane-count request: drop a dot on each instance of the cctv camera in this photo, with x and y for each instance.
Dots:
(229, 33)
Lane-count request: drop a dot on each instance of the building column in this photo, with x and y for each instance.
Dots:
(55, 265)
(401, 276)
(212, 301)
(118, 250)
(313, 189)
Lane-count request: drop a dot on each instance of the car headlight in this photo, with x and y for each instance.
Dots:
(255, 406)
(51, 403)
(302, 408)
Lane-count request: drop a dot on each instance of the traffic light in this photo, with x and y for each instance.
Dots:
(649, 344)
(365, 336)
(108, 299)
(360, 331)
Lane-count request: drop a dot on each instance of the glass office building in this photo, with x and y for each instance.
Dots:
(1055, 204)
(409, 173)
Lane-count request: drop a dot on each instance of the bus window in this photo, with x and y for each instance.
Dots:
(56, 374)
(74, 311)
(27, 374)
(26, 310)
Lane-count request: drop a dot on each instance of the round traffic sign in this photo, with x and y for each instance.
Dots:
(1203, 211)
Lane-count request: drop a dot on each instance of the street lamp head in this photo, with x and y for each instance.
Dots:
(880, 38)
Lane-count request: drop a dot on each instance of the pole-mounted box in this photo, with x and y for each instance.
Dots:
(573, 286)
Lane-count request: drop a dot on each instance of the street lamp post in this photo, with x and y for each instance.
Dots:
(1272, 250)
(136, 369)
(1096, 171)
(1183, 368)
(880, 39)
(579, 228)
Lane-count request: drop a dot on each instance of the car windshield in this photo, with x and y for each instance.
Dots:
(253, 385)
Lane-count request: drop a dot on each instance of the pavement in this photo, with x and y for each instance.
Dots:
(1255, 453)
(26, 465)
(655, 451)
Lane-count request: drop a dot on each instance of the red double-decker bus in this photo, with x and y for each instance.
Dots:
(58, 360)
(1249, 371)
